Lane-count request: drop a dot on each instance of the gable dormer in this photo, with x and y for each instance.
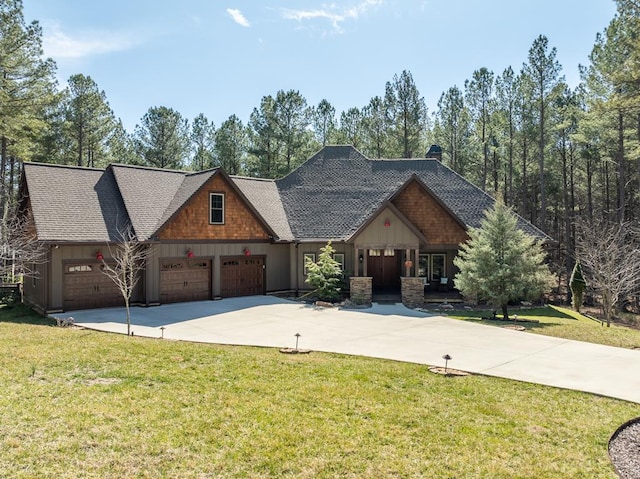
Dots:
(216, 211)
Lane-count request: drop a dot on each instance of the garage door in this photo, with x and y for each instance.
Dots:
(241, 276)
(185, 280)
(86, 287)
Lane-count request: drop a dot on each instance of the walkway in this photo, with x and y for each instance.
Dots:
(386, 331)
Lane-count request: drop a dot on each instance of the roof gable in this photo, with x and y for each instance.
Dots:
(74, 204)
(188, 216)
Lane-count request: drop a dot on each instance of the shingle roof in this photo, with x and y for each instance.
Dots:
(147, 193)
(337, 189)
(330, 196)
(74, 204)
(264, 196)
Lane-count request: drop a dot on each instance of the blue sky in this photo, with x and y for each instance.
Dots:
(221, 57)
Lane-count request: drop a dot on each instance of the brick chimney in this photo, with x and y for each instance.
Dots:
(435, 151)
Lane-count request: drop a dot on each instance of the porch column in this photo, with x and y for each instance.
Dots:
(364, 262)
(356, 266)
(407, 256)
(416, 260)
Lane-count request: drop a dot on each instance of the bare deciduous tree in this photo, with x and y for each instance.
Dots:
(20, 250)
(128, 262)
(610, 256)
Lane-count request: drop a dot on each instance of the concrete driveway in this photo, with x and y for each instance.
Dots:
(385, 331)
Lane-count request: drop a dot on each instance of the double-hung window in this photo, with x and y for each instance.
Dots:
(216, 208)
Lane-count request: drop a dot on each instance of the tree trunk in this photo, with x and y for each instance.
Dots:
(621, 169)
(505, 313)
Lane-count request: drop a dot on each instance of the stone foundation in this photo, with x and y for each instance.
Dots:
(412, 292)
(361, 289)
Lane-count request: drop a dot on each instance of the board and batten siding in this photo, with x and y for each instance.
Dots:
(378, 236)
(297, 254)
(276, 262)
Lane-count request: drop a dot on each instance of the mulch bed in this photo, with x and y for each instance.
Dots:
(447, 371)
(624, 449)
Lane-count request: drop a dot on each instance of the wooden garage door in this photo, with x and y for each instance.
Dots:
(241, 276)
(185, 280)
(86, 287)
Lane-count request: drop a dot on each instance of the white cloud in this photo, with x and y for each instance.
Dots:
(238, 17)
(332, 13)
(58, 44)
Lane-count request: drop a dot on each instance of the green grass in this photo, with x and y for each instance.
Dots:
(77, 403)
(561, 323)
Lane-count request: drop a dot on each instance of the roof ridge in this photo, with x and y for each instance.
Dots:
(68, 167)
(148, 168)
(253, 178)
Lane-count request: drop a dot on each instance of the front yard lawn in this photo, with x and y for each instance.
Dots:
(561, 323)
(77, 403)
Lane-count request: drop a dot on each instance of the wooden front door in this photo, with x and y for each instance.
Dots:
(241, 276)
(384, 270)
(184, 280)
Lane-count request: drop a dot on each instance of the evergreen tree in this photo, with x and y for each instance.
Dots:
(500, 263)
(27, 89)
(89, 120)
(264, 146)
(292, 117)
(374, 131)
(324, 122)
(202, 138)
(325, 275)
(452, 129)
(350, 132)
(162, 138)
(479, 98)
(406, 115)
(231, 145)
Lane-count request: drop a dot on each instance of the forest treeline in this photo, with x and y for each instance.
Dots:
(556, 154)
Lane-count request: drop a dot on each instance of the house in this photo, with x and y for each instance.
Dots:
(395, 225)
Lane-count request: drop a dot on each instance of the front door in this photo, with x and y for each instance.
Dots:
(383, 267)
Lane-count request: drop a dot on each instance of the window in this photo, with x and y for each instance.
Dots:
(308, 257)
(374, 252)
(423, 266)
(79, 268)
(438, 267)
(389, 252)
(339, 258)
(216, 205)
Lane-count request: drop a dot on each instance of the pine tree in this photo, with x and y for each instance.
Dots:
(500, 263)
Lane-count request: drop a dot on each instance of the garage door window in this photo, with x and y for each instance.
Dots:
(216, 203)
(79, 268)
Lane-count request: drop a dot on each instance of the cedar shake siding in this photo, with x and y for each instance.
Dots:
(434, 221)
(192, 221)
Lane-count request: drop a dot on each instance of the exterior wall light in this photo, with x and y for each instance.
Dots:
(387, 223)
(190, 254)
(99, 255)
(247, 252)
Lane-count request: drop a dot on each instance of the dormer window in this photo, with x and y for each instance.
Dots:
(216, 208)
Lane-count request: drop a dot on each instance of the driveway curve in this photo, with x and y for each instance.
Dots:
(389, 332)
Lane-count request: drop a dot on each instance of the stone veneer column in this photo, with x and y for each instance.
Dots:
(412, 292)
(361, 289)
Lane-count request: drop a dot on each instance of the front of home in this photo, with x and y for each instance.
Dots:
(395, 225)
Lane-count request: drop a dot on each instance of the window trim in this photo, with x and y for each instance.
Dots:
(211, 195)
(444, 266)
(339, 261)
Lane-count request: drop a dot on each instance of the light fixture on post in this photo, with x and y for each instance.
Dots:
(190, 253)
(99, 255)
(387, 223)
